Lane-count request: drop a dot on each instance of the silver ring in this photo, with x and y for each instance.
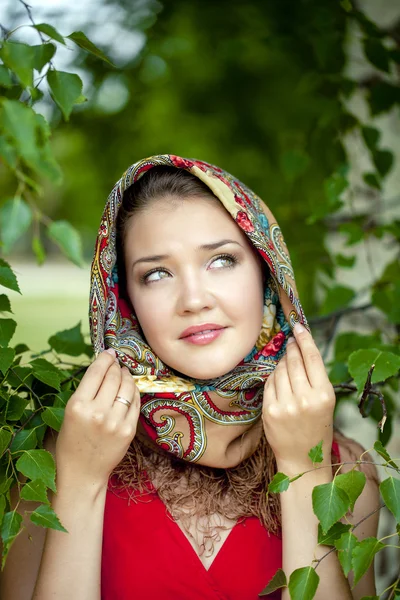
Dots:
(123, 400)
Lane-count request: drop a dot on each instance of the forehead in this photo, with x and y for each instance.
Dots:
(191, 221)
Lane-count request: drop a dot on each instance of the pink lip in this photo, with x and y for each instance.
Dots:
(202, 334)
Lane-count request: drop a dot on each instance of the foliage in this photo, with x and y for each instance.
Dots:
(293, 153)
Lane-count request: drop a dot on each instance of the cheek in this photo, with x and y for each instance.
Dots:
(246, 296)
(151, 313)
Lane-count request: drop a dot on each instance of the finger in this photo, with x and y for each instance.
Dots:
(269, 388)
(312, 358)
(282, 383)
(296, 368)
(126, 391)
(94, 376)
(132, 416)
(109, 388)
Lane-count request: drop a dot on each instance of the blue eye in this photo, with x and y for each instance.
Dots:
(224, 261)
(154, 275)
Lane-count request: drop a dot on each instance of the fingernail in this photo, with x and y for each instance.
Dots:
(298, 328)
(291, 340)
(111, 351)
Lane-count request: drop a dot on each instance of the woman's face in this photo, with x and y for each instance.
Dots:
(188, 265)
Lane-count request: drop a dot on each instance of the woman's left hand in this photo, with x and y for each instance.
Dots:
(298, 406)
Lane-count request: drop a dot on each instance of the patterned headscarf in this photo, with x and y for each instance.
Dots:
(164, 394)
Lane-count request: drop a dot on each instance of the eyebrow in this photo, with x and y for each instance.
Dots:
(158, 257)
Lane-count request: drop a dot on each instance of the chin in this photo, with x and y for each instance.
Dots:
(205, 373)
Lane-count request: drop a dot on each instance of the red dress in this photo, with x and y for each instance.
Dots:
(146, 556)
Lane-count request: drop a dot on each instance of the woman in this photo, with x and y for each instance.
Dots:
(198, 394)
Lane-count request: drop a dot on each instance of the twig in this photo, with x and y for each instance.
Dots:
(367, 516)
(28, 10)
(367, 391)
(394, 587)
(333, 549)
(338, 313)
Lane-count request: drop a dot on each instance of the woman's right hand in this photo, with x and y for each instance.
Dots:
(97, 430)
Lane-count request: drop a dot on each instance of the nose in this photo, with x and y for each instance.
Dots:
(194, 294)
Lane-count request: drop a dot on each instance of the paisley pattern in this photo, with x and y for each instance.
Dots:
(165, 396)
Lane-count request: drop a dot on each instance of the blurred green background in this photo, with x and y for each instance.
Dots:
(276, 92)
(270, 91)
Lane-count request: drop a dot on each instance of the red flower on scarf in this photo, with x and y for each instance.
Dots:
(205, 166)
(244, 222)
(267, 259)
(240, 201)
(182, 163)
(272, 347)
(246, 197)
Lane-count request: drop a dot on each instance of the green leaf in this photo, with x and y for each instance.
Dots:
(43, 54)
(381, 450)
(47, 373)
(294, 163)
(69, 341)
(377, 54)
(390, 491)
(348, 342)
(383, 161)
(49, 378)
(334, 186)
(53, 417)
(382, 97)
(333, 534)
(35, 491)
(24, 440)
(19, 376)
(38, 464)
(279, 483)
(354, 232)
(30, 133)
(65, 88)
(5, 305)
(8, 152)
(338, 296)
(15, 219)
(41, 364)
(316, 453)
(68, 239)
(62, 398)
(372, 180)
(7, 330)
(46, 517)
(345, 545)
(386, 364)
(21, 348)
(345, 261)
(7, 277)
(7, 356)
(5, 77)
(19, 58)
(278, 581)
(386, 297)
(303, 583)
(363, 555)
(330, 503)
(50, 31)
(2, 507)
(352, 483)
(371, 137)
(5, 438)
(15, 407)
(83, 42)
(38, 250)
(10, 528)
